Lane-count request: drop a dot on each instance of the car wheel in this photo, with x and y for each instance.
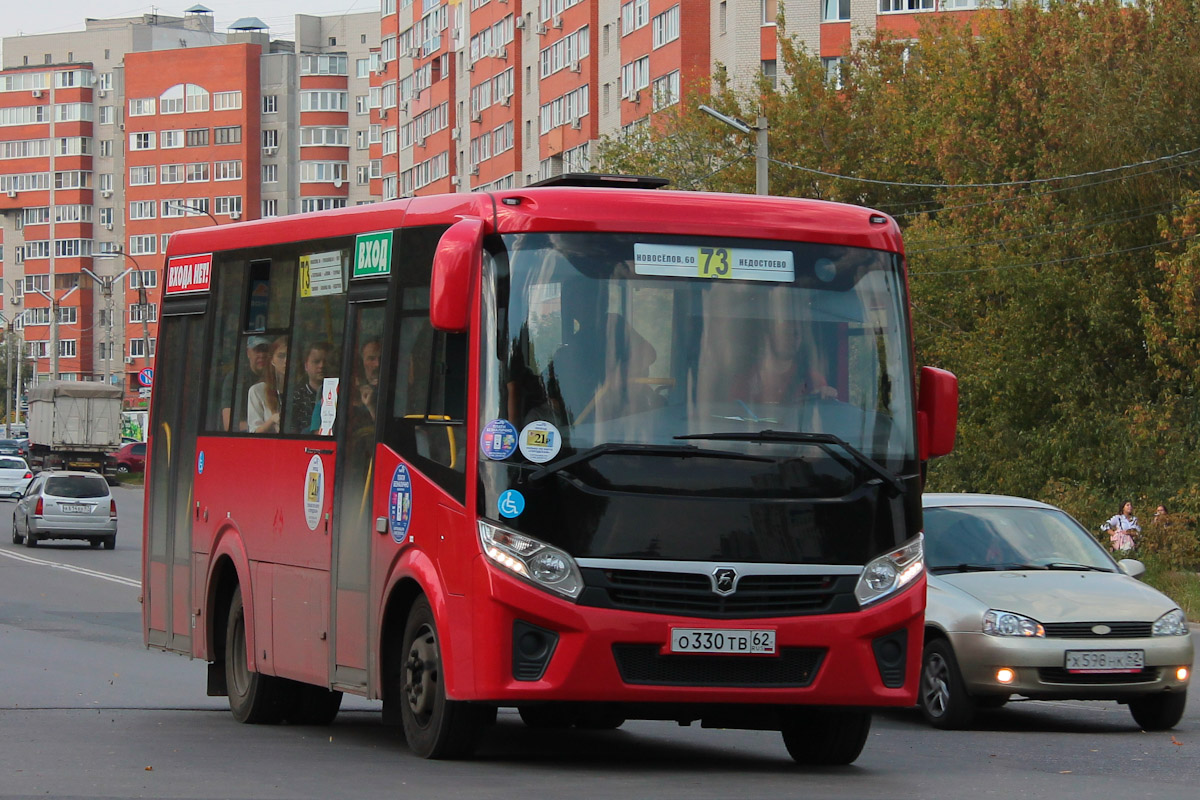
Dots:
(95, 543)
(1159, 712)
(942, 694)
(434, 726)
(825, 736)
(992, 701)
(31, 540)
(123, 469)
(254, 698)
(110, 542)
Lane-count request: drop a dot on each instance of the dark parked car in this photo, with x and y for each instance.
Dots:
(131, 458)
(14, 447)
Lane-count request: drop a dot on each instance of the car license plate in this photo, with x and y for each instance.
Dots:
(75, 508)
(735, 641)
(1101, 661)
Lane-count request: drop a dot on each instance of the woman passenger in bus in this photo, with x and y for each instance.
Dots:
(264, 403)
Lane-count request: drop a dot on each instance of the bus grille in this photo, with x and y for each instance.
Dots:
(645, 665)
(1083, 630)
(691, 594)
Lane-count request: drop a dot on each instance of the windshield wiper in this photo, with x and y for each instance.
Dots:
(826, 441)
(615, 448)
(1071, 565)
(982, 568)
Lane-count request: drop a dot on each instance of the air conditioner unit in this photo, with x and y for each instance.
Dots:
(520, 22)
(414, 52)
(128, 359)
(477, 116)
(383, 113)
(455, 180)
(235, 215)
(455, 133)
(558, 22)
(475, 169)
(106, 193)
(636, 98)
(471, 67)
(12, 193)
(421, 141)
(506, 101)
(37, 92)
(540, 30)
(576, 123)
(502, 53)
(269, 151)
(108, 226)
(490, 53)
(575, 66)
(102, 93)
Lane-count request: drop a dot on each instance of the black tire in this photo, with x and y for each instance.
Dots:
(942, 695)
(110, 542)
(825, 736)
(434, 726)
(16, 537)
(992, 701)
(31, 540)
(548, 717)
(95, 543)
(311, 705)
(254, 698)
(1159, 712)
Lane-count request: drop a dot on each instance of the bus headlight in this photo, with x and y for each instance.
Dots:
(891, 572)
(531, 560)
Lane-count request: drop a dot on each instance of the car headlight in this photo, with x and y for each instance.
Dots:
(1172, 623)
(891, 572)
(531, 560)
(1006, 623)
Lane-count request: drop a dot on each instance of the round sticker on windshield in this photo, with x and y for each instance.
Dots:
(540, 441)
(498, 440)
(400, 504)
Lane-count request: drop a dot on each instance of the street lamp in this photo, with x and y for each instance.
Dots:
(145, 306)
(106, 288)
(760, 156)
(193, 209)
(54, 327)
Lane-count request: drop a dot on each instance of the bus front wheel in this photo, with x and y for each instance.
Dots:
(434, 726)
(254, 698)
(825, 736)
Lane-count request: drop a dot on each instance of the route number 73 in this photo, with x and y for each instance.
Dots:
(714, 262)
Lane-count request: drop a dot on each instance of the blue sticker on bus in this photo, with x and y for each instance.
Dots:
(200, 463)
(498, 440)
(400, 504)
(511, 504)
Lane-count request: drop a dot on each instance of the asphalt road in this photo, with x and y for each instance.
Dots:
(87, 711)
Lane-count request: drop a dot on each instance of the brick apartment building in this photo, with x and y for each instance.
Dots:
(114, 137)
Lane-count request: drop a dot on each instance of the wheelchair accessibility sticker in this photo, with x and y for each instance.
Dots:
(511, 504)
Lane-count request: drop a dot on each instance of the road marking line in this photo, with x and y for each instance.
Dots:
(91, 573)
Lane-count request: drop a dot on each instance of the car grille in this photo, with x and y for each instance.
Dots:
(1083, 630)
(647, 665)
(691, 594)
(1061, 676)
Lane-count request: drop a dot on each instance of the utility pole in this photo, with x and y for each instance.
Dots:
(761, 157)
(8, 368)
(106, 288)
(141, 286)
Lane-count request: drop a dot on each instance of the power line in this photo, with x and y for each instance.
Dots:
(1058, 261)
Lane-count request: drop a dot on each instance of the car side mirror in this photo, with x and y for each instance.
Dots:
(937, 413)
(459, 257)
(1132, 567)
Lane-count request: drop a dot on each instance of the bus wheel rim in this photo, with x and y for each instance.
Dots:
(423, 673)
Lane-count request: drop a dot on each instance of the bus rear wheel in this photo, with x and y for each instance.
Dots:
(434, 726)
(254, 698)
(825, 736)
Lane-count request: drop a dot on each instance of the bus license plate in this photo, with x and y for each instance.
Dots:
(1101, 661)
(726, 640)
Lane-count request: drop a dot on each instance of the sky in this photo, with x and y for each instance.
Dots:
(22, 17)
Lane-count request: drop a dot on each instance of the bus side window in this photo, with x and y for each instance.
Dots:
(229, 277)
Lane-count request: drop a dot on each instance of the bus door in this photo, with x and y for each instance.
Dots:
(175, 416)
(353, 490)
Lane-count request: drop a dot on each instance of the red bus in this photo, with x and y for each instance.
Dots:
(596, 453)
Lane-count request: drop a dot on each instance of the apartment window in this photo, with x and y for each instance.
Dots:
(143, 245)
(147, 279)
(634, 14)
(143, 313)
(362, 105)
(227, 171)
(836, 10)
(323, 64)
(892, 6)
(324, 100)
(723, 17)
(137, 347)
(270, 208)
(141, 141)
(197, 137)
(362, 67)
(197, 172)
(666, 90)
(106, 115)
(66, 348)
(270, 140)
(666, 26)
(770, 9)
(172, 208)
(171, 173)
(635, 76)
(105, 217)
(231, 134)
(227, 101)
(270, 173)
(106, 182)
(770, 70)
(230, 205)
(360, 141)
(197, 98)
(362, 176)
(142, 209)
(270, 104)
(168, 140)
(105, 148)
(142, 176)
(141, 106)
(833, 71)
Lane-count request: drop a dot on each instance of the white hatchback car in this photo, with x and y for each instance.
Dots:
(1022, 600)
(66, 505)
(14, 476)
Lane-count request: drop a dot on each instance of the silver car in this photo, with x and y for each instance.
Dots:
(66, 505)
(1024, 601)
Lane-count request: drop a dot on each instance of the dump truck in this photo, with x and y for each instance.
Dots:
(74, 425)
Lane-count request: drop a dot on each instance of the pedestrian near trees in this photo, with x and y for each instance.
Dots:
(1123, 529)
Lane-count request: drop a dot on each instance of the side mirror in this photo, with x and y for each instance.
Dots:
(458, 259)
(1132, 567)
(937, 413)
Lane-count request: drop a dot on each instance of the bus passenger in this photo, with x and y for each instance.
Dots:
(257, 348)
(264, 403)
(305, 398)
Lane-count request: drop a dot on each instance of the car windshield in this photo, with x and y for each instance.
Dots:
(998, 537)
(76, 486)
(596, 339)
(13, 463)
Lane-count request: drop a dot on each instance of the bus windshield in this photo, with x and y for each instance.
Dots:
(701, 342)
